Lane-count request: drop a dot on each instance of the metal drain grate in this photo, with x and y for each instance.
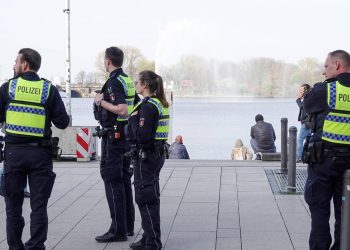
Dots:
(279, 181)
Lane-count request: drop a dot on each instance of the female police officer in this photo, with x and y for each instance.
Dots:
(148, 131)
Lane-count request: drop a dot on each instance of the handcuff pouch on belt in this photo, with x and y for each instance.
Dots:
(56, 150)
(313, 152)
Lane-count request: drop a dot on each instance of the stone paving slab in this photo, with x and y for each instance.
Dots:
(205, 205)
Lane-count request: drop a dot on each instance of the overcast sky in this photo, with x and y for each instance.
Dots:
(163, 30)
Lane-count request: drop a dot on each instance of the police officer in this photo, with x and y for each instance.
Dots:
(28, 105)
(148, 130)
(114, 104)
(328, 152)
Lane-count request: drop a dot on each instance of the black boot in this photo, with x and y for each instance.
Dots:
(110, 237)
(138, 245)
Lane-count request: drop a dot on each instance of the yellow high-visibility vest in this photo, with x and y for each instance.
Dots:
(26, 114)
(162, 131)
(336, 127)
(129, 93)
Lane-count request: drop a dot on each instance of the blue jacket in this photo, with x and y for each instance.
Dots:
(178, 151)
(265, 137)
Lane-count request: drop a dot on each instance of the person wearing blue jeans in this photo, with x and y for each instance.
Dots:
(304, 119)
(303, 132)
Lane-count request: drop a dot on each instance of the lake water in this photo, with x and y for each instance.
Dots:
(210, 126)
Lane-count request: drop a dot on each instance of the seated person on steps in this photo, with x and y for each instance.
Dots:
(177, 149)
(262, 137)
(239, 152)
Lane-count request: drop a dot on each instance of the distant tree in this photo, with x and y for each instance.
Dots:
(145, 64)
(310, 70)
(92, 78)
(132, 58)
(81, 77)
(100, 66)
(195, 75)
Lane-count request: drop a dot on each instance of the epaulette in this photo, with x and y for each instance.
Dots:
(112, 76)
(12, 79)
(144, 100)
(8, 81)
(45, 80)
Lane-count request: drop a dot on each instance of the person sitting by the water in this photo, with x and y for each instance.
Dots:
(239, 152)
(177, 149)
(263, 137)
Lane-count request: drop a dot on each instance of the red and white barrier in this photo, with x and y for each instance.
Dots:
(86, 144)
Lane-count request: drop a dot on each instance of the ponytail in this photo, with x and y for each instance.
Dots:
(155, 84)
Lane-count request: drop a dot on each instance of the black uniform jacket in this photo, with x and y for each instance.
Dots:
(316, 105)
(303, 117)
(142, 127)
(56, 111)
(264, 134)
(113, 92)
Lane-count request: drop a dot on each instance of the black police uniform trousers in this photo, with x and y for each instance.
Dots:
(34, 162)
(117, 181)
(324, 183)
(129, 200)
(146, 182)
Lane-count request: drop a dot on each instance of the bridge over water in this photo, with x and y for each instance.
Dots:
(79, 90)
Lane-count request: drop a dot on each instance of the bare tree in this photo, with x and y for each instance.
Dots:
(132, 57)
(310, 70)
(93, 79)
(100, 65)
(134, 62)
(80, 77)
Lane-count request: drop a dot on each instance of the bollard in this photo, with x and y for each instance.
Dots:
(284, 158)
(292, 159)
(345, 214)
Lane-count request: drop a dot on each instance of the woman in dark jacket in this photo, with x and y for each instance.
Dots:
(304, 119)
(148, 130)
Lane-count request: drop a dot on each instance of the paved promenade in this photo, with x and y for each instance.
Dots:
(205, 205)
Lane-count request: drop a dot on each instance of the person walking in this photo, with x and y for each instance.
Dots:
(113, 105)
(328, 152)
(303, 117)
(28, 105)
(148, 129)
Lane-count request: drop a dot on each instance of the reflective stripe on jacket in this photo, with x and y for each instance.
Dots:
(162, 130)
(129, 93)
(336, 127)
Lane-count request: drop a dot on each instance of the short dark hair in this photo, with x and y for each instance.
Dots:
(32, 57)
(259, 117)
(116, 56)
(342, 55)
(305, 86)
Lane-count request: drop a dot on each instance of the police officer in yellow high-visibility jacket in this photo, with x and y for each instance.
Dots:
(148, 129)
(115, 103)
(329, 149)
(28, 105)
